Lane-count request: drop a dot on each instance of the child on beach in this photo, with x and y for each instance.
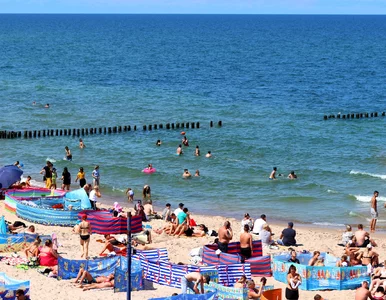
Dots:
(96, 176)
(130, 195)
(54, 177)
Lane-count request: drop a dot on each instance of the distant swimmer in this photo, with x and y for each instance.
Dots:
(47, 105)
(68, 153)
(185, 141)
(209, 154)
(34, 103)
(179, 150)
(186, 174)
(197, 151)
(81, 144)
(158, 143)
(273, 174)
(292, 175)
(197, 174)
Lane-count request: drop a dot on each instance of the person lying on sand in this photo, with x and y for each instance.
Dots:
(110, 242)
(33, 249)
(84, 277)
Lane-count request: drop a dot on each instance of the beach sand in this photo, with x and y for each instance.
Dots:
(42, 288)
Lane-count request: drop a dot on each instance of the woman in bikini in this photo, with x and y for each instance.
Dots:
(84, 234)
(33, 249)
(84, 277)
(293, 282)
(102, 282)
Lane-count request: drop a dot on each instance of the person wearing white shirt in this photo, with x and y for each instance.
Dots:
(246, 221)
(179, 209)
(259, 223)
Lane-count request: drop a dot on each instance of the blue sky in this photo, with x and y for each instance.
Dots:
(196, 6)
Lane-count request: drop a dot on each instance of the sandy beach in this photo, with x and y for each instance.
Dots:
(312, 238)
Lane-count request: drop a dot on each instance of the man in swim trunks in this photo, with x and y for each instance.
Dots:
(374, 211)
(363, 292)
(192, 280)
(246, 243)
(225, 235)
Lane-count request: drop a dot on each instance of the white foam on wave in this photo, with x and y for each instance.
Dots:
(368, 174)
(117, 189)
(332, 192)
(367, 198)
(328, 224)
(50, 159)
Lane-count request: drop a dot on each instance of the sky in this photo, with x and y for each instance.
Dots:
(196, 6)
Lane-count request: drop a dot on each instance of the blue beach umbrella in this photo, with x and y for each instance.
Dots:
(9, 175)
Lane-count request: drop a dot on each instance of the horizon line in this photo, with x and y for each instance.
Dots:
(225, 14)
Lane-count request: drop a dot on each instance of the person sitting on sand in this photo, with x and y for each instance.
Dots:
(266, 237)
(166, 213)
(110, 242)
(292, 175)
(314, 258)
(48, 256)
(179, 150)
(293, 258)
(362, 237)
(347, 235)
(33, 249)
(287, 237)
(353, 253)
(343, 262)
(149, 211)
(363, 292)
(241, 283)
(253, 292)
(183, 222)
(369, 258)
(192, 281)
(170, 226)
(186, 174)
(246, 248)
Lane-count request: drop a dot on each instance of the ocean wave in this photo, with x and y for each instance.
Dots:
(368, 174)
(328, 224)
(367, 198)
(354, 214)
(332, 192)
(117, 189)
(50, 159)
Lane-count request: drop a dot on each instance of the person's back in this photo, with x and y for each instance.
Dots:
(148, 208)
(360, 236)
(363, 293)
(258, 226)
(245, 239)
(289, 237)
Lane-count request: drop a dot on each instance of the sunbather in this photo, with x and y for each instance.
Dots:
(84, 277)
(33, 249)
(110, 242)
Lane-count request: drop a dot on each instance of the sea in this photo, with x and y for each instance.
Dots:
(270, 79)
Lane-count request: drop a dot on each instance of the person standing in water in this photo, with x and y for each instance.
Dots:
(66, 177)
(158, 143)
(185, 141)
(374, 211)
(292, 175)
(209, 154)
(81, 176)
(179, 150)
(197, 152)
(96, 176)
(273, 174)
(81, 144)
(68, 153)
(130, 195)
(146, 192)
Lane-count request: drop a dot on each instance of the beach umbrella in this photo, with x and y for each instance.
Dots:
(9, 175)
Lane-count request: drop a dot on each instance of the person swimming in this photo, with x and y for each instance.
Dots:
(292, 175)
(197, 174)
(158, 143)
(209, 154)
(186, 174)
(47, 105)
(197, 152)
(185, 141)
(81, 144)
(179, 150)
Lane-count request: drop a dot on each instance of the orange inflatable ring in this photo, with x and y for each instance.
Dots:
(182, 132)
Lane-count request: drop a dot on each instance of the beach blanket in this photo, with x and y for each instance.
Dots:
(14, 261)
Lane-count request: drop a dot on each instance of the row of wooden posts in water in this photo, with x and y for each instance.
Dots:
(101, 130)
(354, 116)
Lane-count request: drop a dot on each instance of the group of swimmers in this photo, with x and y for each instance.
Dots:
(291, 175)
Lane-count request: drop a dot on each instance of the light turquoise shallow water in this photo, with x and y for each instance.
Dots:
(270, 79)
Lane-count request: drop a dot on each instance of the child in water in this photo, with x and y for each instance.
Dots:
(81, 144)
(130, 195)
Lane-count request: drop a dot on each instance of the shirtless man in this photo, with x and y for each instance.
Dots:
(179, 150)
(363, 292)
(192, 280)
(273, 174)
(225, 235)
(314, 258)
(148, 209)
(186, 174)
(362, 237)
(246, 243)
(352, 252)
(374, 211)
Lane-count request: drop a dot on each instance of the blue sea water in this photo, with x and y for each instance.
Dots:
(270, 79)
